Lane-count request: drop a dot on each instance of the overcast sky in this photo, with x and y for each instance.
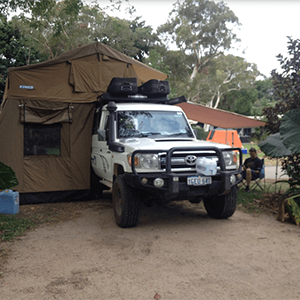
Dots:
(265, 26)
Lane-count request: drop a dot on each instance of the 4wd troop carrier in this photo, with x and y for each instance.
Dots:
(144, 149)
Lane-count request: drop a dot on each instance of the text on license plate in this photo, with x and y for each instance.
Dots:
(198, 180)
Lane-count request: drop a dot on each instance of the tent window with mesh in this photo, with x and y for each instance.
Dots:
(42, 139)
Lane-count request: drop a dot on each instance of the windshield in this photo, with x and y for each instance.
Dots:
(152, 123)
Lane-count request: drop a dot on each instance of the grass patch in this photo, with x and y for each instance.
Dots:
(247, 201)
(34, 216)
(262, 201)
(12, 226)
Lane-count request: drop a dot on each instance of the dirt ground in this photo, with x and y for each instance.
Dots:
(176, 252)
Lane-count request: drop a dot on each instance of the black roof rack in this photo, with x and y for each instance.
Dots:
(137, 98)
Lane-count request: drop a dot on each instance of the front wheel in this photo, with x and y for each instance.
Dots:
(222, 207)
(125, 203)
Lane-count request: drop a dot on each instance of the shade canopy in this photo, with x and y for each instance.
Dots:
(217, 117)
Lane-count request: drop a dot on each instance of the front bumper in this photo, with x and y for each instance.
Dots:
(176, 186)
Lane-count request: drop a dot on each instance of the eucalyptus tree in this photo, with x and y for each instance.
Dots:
(225, 73)
(52, 26)
(131, 37)
(202, 29)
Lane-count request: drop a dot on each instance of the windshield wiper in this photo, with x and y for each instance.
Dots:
(179, 134)
(150, 133)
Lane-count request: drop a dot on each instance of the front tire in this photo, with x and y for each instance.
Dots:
(125, 203)
(222, 207)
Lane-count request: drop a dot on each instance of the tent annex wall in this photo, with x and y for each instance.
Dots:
(59, 93)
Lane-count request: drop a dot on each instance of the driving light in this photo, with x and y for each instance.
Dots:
(232, 179)
(239, 176)
(158, 182)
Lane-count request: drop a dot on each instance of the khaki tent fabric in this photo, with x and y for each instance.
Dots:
(45, 113)
(59, 95)
(79, 75)
(42, 173)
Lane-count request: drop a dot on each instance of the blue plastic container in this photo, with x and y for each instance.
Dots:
(244, 151)
(9, 202)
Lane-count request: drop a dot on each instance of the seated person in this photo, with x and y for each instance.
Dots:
(251, 168)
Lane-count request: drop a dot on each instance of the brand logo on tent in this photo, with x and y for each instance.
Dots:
(26, 87)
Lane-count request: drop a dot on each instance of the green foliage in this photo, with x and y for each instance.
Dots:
(293, 206)
(250, 100)
(274, 147)
(52, 26)
(8, 177)
(221, 75)
(56, 27)
(286, 90)
(265, 89)
(246, 200)
(200, 26)
(286, 143)
(11, 226)
(285, 86)
(258, 135)
(157, 61)
(132, 38)
(15, 50)
(240, 102)
(290, 129)
(202, 30)
(201, 134)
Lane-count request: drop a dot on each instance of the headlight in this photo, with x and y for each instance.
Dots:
(145, 161)
(230, 159)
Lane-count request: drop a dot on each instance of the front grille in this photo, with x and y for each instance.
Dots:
(180, 161)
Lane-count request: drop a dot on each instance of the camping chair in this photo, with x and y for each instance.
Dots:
(256, 182)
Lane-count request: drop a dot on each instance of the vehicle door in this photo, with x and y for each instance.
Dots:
(101, 155)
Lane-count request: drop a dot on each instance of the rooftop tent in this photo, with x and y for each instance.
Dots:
(227, 137)
(47, 113)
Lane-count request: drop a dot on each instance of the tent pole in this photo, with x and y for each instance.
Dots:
(276, 173)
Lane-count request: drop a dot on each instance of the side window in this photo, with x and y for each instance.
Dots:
(103, 134)
(42, 139)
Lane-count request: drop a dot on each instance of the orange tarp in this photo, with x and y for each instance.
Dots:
(227, 137)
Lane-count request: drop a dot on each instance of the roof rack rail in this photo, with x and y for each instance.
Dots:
(137, 98)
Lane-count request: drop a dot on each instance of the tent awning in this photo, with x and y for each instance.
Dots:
(217, 117)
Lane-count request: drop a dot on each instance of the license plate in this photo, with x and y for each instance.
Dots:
(198, 180)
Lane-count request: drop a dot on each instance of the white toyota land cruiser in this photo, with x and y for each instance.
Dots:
(144, 149)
